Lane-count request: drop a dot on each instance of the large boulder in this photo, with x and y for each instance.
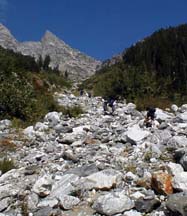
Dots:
(179, 182)
(162, 115)
(177, 142)
(162, 183)
(83, 171)
(113, 203)
(5, 124)
(68, 202)
(183, 117)
(146, 205)
(135, 134)
(174, 168)
(29, 132)
(177, 204)
(4, 203)
(64, 186)
(174, 107)
(183, 108)
(53, 118)
(43, 186)
(105, 179)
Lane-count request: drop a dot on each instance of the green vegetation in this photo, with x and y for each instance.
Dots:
(74, 111)
(153, 70)
(131, 167)
(26, 87)
(6, 165)
(147, 156)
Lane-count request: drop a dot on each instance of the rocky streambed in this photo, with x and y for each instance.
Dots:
(96, 164)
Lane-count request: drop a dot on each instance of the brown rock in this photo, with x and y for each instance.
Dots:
(162, 183)
(90, 141)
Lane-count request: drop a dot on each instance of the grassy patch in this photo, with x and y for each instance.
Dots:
(143, 103)
(74, 111)
(6, 165)
(130, 168)
(147, 156)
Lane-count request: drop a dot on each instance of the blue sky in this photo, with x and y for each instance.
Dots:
(99, 28)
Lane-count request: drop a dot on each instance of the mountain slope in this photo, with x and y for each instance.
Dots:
(76, 64)
(26, 93)
(155, 67)
(164, 52)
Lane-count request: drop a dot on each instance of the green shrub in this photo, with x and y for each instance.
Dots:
(6, 165)
(161, 102)
(21, 100)
(130, 168)
(74, 111)
(56, 79)
(147, 156)
(15, 95)
(26, 92)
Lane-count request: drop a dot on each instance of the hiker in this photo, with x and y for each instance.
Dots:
(150, 117)
(111, 103)
(81, 92)
(89, 94)
(105, 107)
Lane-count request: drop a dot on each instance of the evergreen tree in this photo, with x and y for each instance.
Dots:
(40, 62)
(66, 74)
(46, 62)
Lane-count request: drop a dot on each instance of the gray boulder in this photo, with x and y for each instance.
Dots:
(68, 202)
(135, 134)
(83, 171)
(177, 204)
(113, 203)
(105, 179)
(179, 182)
(4, 203)
(146, 205)
(64, 186)
(43, 186)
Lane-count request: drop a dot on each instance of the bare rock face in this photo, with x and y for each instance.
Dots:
(7, 41)
(115, 59)
(78, 65)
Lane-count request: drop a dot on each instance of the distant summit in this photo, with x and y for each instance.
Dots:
(76, 64)
(7, 41)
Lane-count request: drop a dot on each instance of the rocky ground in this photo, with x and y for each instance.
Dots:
(96, 164)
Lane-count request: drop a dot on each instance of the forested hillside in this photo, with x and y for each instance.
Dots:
(26, 86)
(155, 67)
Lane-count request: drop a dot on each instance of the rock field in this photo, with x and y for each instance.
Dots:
(96, 164)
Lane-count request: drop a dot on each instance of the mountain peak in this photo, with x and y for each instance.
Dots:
(78, 65)
(52, 39)
(7, 40)
(49, 36)
(4, 30)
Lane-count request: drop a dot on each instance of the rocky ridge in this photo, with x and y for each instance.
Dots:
(114, 60)
(97, 164)
(78, 65)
